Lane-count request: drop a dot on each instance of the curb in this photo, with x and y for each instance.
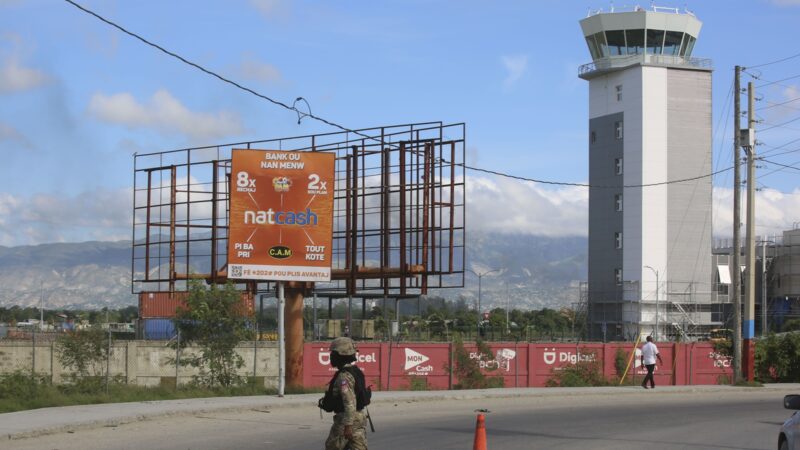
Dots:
(108, 415)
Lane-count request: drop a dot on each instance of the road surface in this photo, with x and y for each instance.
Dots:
(631, 419)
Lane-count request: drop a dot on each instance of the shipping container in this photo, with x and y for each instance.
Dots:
(157, 329)
(163, 305)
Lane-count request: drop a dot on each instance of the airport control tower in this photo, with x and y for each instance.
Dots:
(649, 125)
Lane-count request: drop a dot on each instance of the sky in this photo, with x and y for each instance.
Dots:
(78, 98)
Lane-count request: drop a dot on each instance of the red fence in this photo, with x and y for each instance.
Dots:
(405, 365)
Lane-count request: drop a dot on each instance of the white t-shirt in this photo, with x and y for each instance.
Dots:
(649, 352)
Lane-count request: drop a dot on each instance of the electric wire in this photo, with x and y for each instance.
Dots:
(779, 125)
(774, 62)
(343, 128)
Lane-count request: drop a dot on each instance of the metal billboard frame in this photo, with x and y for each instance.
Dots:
(399, 211)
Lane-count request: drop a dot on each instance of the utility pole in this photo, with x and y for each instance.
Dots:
(763, 287)
(736, 273)
(749, 327)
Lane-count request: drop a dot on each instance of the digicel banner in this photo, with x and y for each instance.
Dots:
(281, 216)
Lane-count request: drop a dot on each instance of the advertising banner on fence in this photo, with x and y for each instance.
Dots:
(281, 215)
(427, 365)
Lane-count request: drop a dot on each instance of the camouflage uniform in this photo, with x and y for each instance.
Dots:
(344, 386)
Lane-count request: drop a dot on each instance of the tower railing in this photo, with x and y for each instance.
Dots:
(618, 62)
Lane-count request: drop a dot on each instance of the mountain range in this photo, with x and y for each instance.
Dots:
(532, 272)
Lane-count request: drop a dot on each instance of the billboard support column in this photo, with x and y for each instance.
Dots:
(294, 336)
(281, 342)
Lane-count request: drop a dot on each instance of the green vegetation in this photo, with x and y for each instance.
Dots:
(585, 372)
(778, 358)
(14, 314)
(467, 369)
(84, 351)
(215, 322)
(19, 391)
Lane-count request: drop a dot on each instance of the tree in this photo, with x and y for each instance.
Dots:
(215, 320)
(84, 351)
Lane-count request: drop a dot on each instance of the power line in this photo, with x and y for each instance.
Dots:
(774, 62)
(768, 83)
(779, 124)
(333, 124)
(300, 114)
(559, 183)
(772, 105)
(782, 165)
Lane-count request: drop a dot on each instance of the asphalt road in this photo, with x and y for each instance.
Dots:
(638, 419)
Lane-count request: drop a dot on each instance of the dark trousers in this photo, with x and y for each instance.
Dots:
(649, 376)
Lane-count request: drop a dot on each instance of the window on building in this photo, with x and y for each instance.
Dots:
(655, 41)
(617, 202)
(592, 137)
(617, 166)
(635, 40)
(618, 240)
(616, 42)
(672, 43)
(618, 130)
(618, 276)
(619, 92)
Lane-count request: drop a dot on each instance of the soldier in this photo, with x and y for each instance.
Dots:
(349, 428)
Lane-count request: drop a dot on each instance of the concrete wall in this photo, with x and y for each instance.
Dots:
(144, 363)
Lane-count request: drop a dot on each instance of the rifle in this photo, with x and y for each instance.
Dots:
(369, 418)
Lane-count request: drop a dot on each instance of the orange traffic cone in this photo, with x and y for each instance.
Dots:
(480, 434)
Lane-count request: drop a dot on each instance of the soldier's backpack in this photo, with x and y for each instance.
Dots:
(332, 403)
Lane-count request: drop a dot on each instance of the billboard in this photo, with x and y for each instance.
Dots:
(281, 215)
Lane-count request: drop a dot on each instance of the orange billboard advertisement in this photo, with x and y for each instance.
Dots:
(281, 215)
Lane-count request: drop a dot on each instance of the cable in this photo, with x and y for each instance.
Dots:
(216, 75)
(559, 183)
(782, 165)
(765, 84)
(774, 62)
(302, 114)
(772, 105)
(780, 124)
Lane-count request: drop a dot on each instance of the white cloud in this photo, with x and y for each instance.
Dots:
(101, 214)
(255, 70)
(516, 67)
(508, 206)
(775, 212)
(271, 8)
(13, 136)
(164, 113)
(14, 77)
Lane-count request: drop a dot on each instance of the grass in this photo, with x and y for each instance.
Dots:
(19, 391)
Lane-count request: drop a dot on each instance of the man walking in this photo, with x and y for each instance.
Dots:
(649, 356)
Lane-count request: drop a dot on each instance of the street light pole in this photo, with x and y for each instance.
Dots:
(657, 286)
(480, 279)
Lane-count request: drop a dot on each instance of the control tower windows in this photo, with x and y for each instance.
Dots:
(635, 41)
(593, 47)
(616, 42)
(600, 38)
(687, 46)
(672, 43)
(655, 41)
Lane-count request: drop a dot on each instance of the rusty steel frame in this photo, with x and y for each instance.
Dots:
(399, 214)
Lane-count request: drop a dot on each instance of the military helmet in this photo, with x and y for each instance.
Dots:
(343, 346)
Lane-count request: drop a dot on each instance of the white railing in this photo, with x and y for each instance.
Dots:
(616, 62)
(638, 8)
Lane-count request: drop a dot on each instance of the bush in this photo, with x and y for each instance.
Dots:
(778, 358)
(468, 370)
(214, 320)
(584, 373)
(84, 351)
